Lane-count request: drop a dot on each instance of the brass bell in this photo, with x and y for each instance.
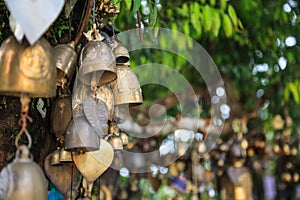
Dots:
(116, 142)
(122, 55)
(65, 61)
(80, 135)
(55, 157)
(65, 156)
(97, 64)
(61, 115)
(27, 69)
(23, 179)
(114, 137)
(126, 88)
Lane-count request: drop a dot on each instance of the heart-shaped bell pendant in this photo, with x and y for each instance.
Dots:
(64, 177)
(27, 69)
(23, 179)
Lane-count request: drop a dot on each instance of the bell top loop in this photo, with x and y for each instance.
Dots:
(22, 152)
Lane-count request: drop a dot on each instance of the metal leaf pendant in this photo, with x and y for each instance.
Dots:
(97, 114)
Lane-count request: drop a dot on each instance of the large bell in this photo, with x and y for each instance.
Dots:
(27, 69)
(65, 61)
(97, 64)
(126, 88)
(23, 179)
(121, 55)
(80, 136)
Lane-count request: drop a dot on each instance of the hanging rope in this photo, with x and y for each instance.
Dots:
(25, 100)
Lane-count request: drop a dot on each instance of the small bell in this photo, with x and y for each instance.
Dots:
(97, 64)
(27, 69)
(23, 179)
(80, 135)
(122, 55)
(116, 142)
(65, 60)
(55, 157)
(114, 137)
(126, 88)
(65, 156)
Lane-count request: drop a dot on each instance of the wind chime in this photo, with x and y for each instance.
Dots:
(26, 71)
(90, 134)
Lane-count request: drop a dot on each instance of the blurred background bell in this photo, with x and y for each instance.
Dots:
(80, 135)
(126, 88)
(65, 61)
(97, 63)
(23, 179)
(27, 69)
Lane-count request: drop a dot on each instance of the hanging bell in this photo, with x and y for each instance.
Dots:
(65, 61)
(27, 69)
(55, 158)
(114, 137)
(116, 142)
(61, 115)
(122, 55)
(80, 135)
(65, 156)
(126, 88)
(23, 179)
(97, 64)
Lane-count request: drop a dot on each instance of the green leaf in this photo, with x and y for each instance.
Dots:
(136, 5)
(232, 15)
(186, 27)
(212, 2)
(153, 15)
(128, 4)
(240, 25)
(216, 24)
(207, 17)
(185, 9)
(294, 89)
(227, 26)
(286, 94)
(223, 4)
